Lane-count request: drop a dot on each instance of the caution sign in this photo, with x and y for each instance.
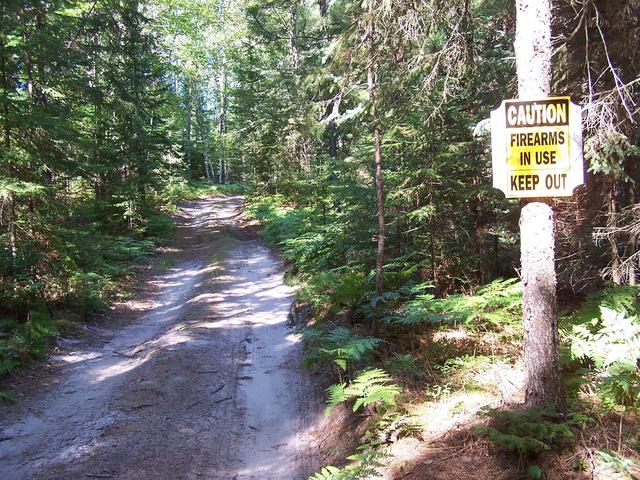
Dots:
(537, 147)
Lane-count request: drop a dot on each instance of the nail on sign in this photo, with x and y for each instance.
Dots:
(537, 147)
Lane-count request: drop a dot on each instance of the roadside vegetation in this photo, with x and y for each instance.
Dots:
(442, 376)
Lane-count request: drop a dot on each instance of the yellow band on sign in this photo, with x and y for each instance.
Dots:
(532, 142)
(534, 150)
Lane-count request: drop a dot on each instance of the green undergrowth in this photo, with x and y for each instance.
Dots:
(415, 346)
(86, 268)
(364, 464)
(446, 355)
(180, 189)
(22, 342)
(530, 431)
(311, 239)
(600, 350)
(80, 265)
(603, 347)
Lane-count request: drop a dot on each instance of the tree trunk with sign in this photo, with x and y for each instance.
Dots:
(543, 380)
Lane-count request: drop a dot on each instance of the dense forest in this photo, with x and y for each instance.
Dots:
(359, 132)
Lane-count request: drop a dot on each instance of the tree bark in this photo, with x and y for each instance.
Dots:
(188, 114)
(222, 101)
(377, 145)
(632, 244)
(612, 226)
(5, 97)
(206, 166)
(294, 51)
(541, 355)
(323, 5)
(222, 117)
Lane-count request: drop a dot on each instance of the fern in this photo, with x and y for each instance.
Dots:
(22, 342)
(338, 346)
(7, 397)
(370, 387)
(404, 365)
(625, 466)
(496, 304)
(606, 330)
(337, 395)
(366, 465)
(329, 473)
(7, 365)
(613, 338)
(530, 430)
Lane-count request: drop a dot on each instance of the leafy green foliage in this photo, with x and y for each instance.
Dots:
(315, 242)
(403, 365)
(366, 464)
(89, 292)
(606, 331)
(332, 291)
(7, 397)
(21, 343)
(535, 472)
(338, 346)
(620, 389)
(372, 386)
(620, 298)
(179, 189)
(91, 155)
(158, 226)
(626, 466)
(498, 303)
(531, 431)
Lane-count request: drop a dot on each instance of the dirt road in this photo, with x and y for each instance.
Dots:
(199, 380)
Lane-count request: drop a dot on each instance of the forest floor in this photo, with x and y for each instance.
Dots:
(196, 376)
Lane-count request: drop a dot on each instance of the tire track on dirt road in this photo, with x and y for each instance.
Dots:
(205, 384)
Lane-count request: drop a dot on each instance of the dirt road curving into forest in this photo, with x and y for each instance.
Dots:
(196, 378)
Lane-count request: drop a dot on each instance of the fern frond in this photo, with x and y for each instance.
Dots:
(365, 466)
(338, 346)
(337, 395)
(372, 386)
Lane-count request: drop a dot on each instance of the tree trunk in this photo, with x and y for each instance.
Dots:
(206, 166)
(380, 204)
(612, 226)
(294, 51)
(323, 5)
(543, 379)
(188, 114)
(12, 232)
(98, 132)
(324, 8)
(432, 221)
(222, 85)
(25, 52)
(371, 77)
(5, 97)
(632, 244)
(11, 229)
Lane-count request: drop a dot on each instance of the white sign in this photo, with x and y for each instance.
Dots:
(536, 147)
